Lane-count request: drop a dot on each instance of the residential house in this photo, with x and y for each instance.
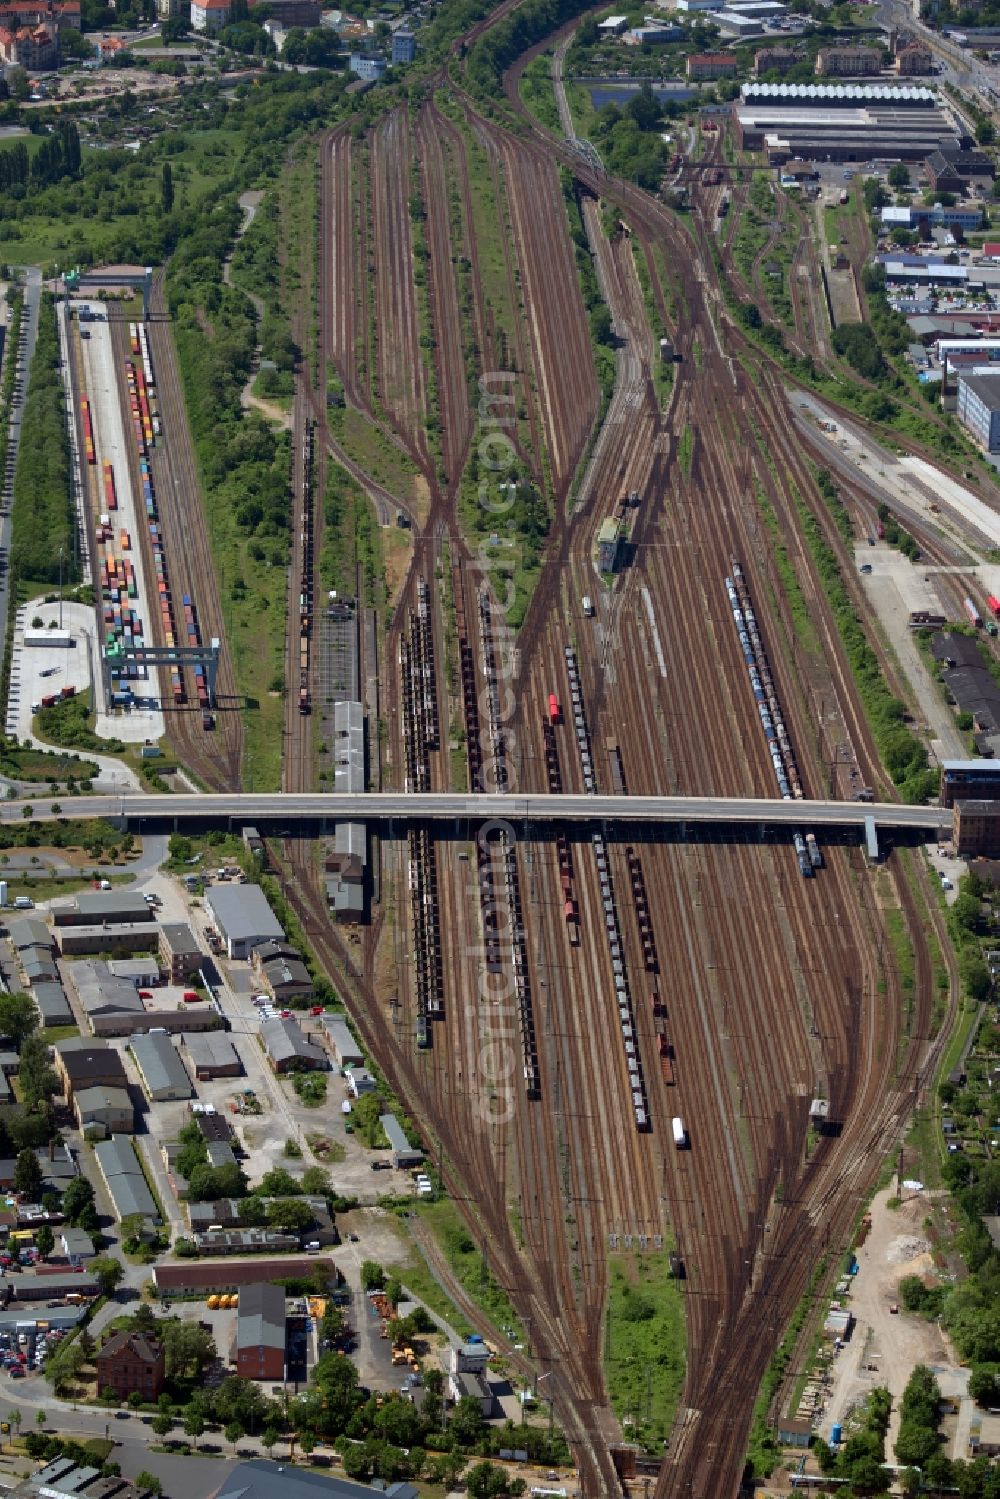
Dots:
(131, 1362)
(179, 951)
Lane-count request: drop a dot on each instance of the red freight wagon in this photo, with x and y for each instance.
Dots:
(555, 712)
(993, 604)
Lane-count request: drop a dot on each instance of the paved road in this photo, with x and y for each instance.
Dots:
(436, 806)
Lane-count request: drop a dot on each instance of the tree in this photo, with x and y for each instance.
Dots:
(486, 1480)
(64, 1367)
(194, 1425)
(28, 1176)
(985, 133)
(40, 1419)
(187, 1350)
(147, 1480)
(316, 1182)
(45, 1241)
(166, 188)
(235, 1431)
(18, 1017)
(162, 1424)
(269, 1438)
(899, 174)
(78, 1196)
(289, 1214)
(467, 1424)
(38, 1081)
(372, 1276)
(110, 1272)
(173, 30)
(984, 1387)
(144, 1318)
(135, 1399)
(278, 1183)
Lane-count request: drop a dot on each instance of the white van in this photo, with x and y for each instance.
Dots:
(679, 1132)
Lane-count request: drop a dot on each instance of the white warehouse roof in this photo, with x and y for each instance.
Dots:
(899, 270)
(849, 93)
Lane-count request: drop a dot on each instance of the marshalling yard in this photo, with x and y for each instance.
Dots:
(562, 1007)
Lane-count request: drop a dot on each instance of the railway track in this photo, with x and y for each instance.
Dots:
(216, 756)
(761, 1013)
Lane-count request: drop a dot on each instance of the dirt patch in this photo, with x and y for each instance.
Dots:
(273, 413)
(422, 499)
(397, 550)
(885, 1346)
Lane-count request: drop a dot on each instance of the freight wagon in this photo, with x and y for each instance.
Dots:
(555, 711)
(679, 1132)
(993, 604)
(972, 612)
(88, 431)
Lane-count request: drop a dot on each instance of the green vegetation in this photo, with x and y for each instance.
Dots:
(380, 458)
(598, 316)
(538, 91)
(311, 1088)
(43, 530)
(903, 754)
(468, 1265)
(630, 140)
(351, 538)
(764, 1451)
(644, 1346)
(70, 722)
(29, 764)
(861, 1456)
(245, 468)
(497, 49)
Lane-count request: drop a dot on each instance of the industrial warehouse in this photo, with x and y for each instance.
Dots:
(849, 122)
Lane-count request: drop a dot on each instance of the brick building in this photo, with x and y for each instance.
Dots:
(848, 62)
(708, 65)
(977, 828)
(131, 1361)
(35, 48)
(260, 1332)
(913, 61)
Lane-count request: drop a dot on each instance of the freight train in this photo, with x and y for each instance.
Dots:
(306, 595)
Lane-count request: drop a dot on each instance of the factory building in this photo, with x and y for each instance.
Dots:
(737, 23)
(969, 780)
(404, 47)
(844, 122)
(977, 829)
(964, 216)
(242, 917)
(979, 409)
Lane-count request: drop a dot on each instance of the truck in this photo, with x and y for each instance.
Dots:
(679, 1132)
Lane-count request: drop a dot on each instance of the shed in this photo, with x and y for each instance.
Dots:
(212, 1054)
(403, 1153)
(287, 1048)
(346, 1051)
(163, 1074)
